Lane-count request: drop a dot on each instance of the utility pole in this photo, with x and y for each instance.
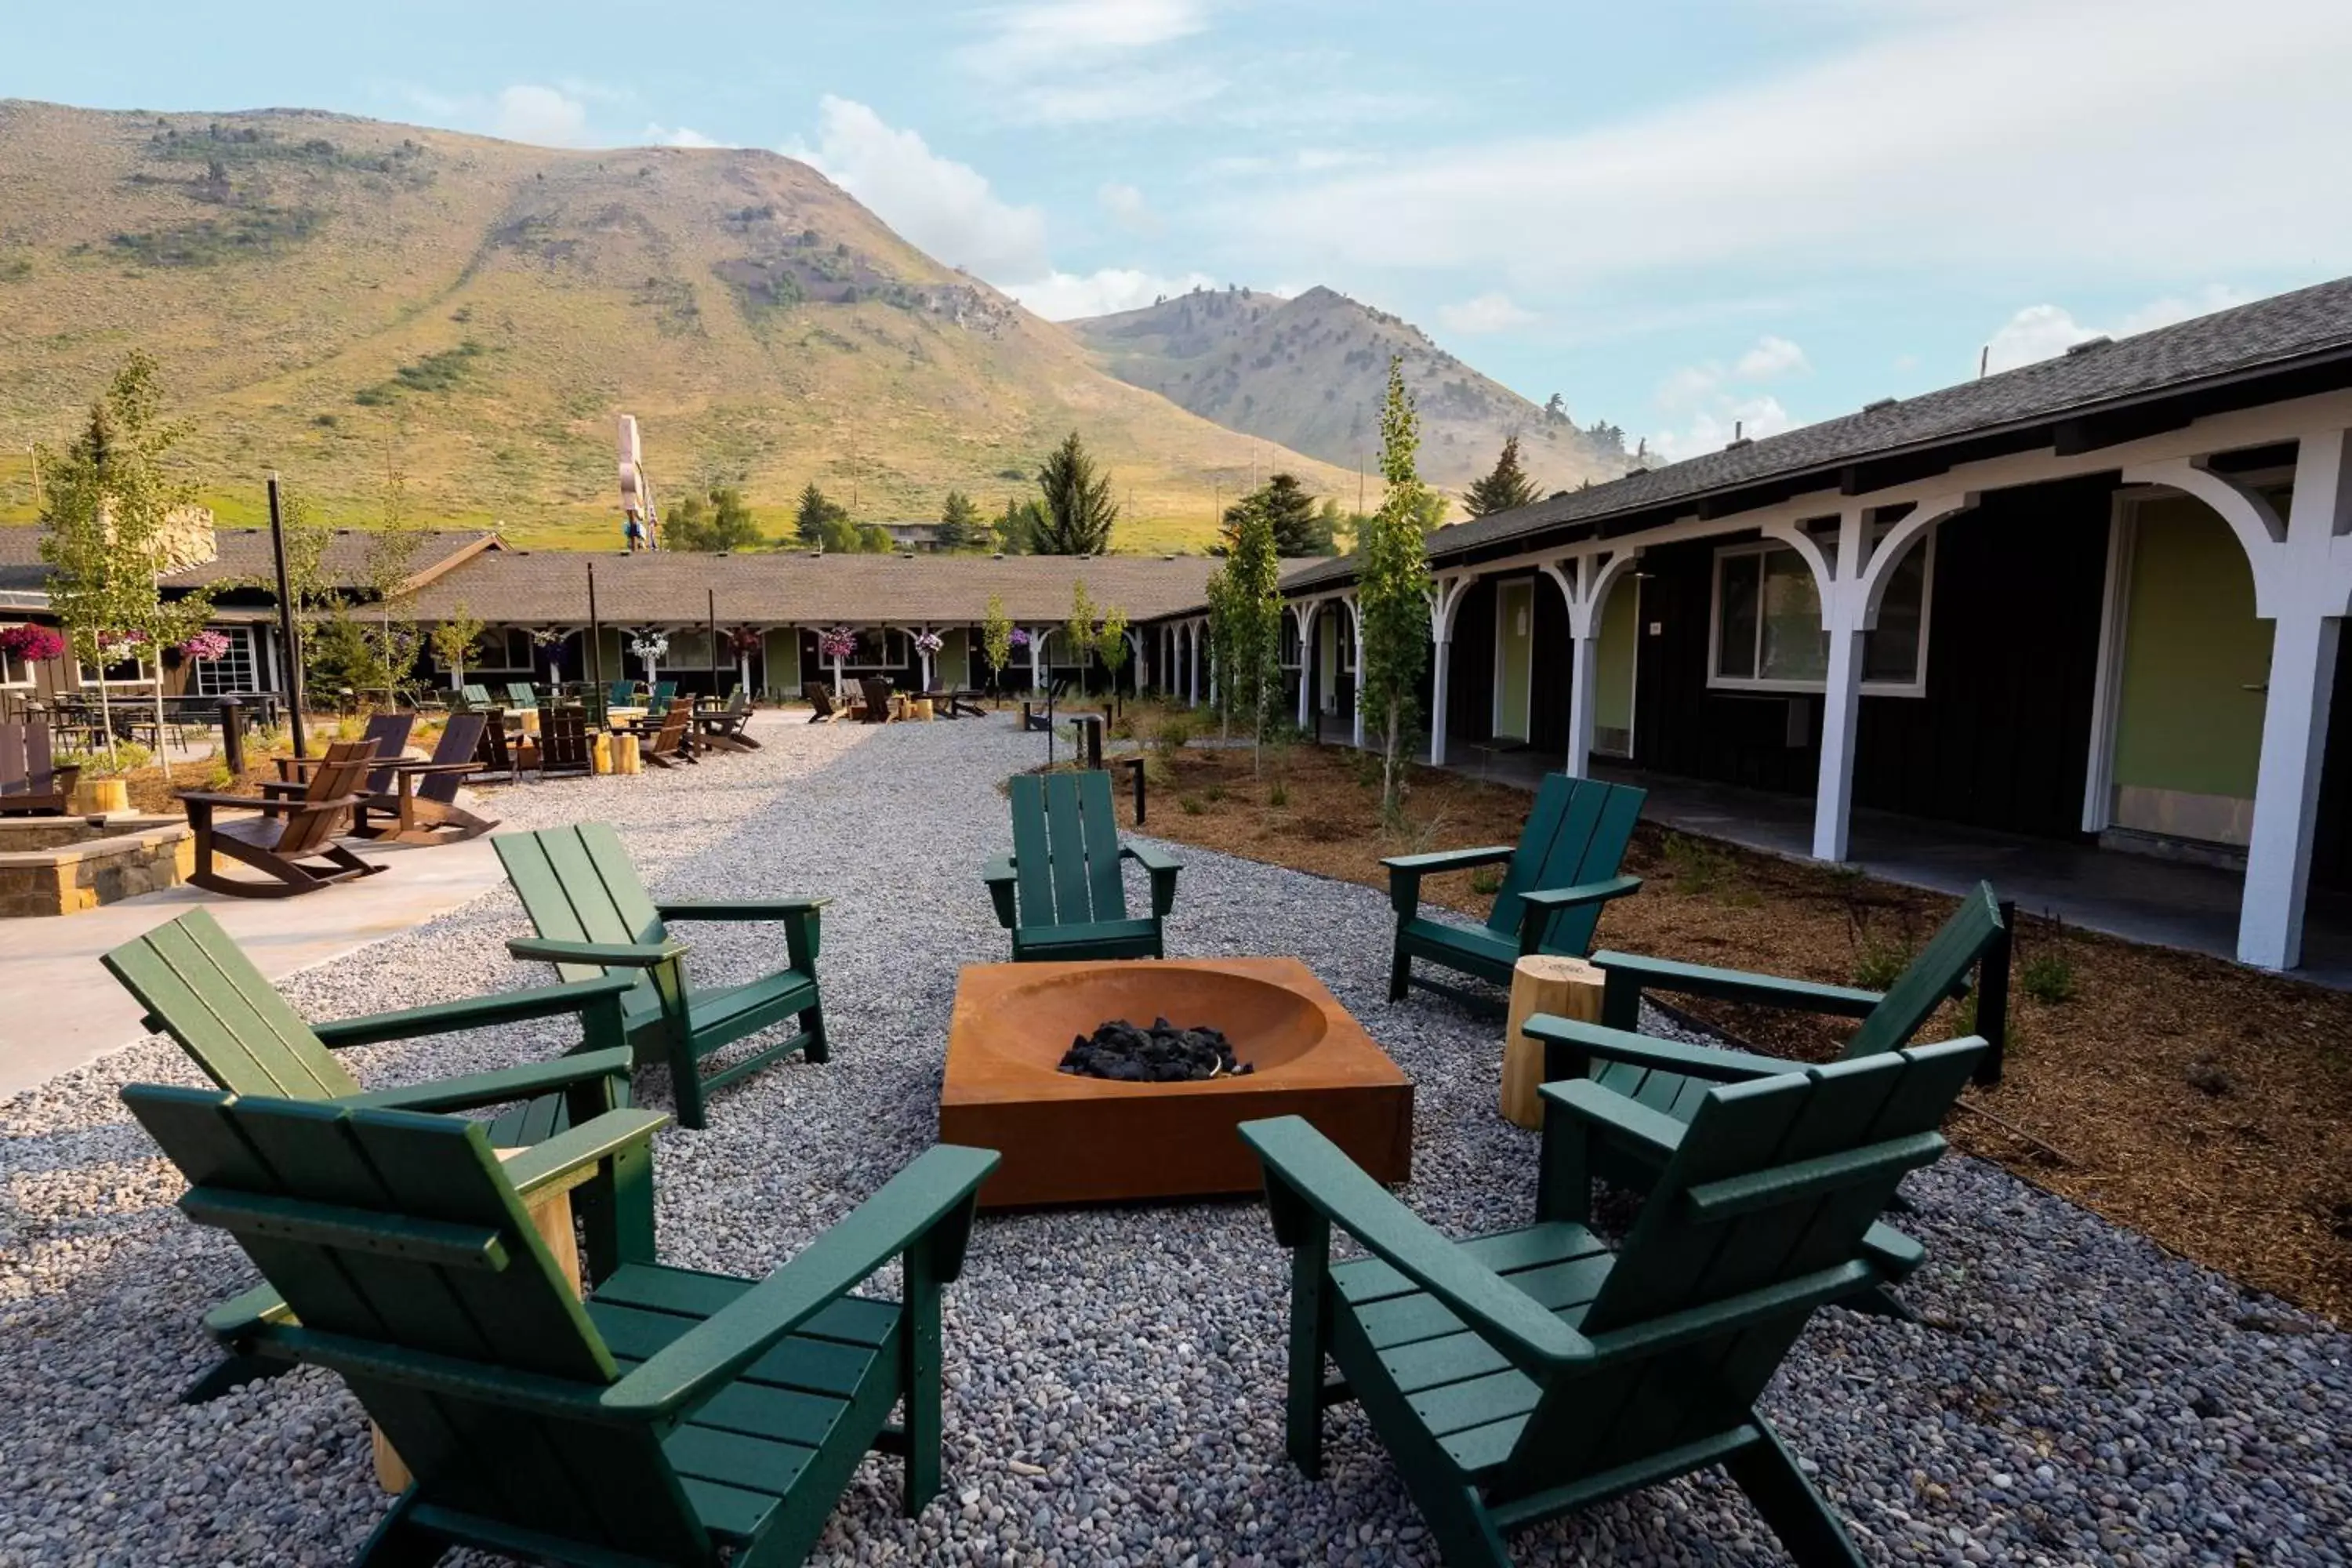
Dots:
(289, 631)
(35, 453)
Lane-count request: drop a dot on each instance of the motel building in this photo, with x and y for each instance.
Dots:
(2082, 618)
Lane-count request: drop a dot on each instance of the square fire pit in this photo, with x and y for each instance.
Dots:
(1072, 1138)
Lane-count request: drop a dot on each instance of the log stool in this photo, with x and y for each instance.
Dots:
(1565, 987)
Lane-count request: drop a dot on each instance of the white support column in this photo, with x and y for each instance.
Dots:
(1446, 599)
(1356, 630)
(2303, 586)
(1585, 582)
(1192, 665)
(1036, 661)
(1306, 659)
(1852, 588)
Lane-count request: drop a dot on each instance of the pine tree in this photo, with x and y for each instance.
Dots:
(1300, 528)
(959, 524)
(1506, 489)
(813, 512)
(1018, 530)
(725, 523)
(1392, 590)
(1078, 510)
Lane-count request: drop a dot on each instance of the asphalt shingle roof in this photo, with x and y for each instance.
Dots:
(2268, 333)
(242, 556)
(786, 587)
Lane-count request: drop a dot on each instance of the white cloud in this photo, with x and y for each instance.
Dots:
(1714, 402)
(540, 115)
(659, 135)
(2045, 332)
(2121, 134)
(1057, 35)
(1127, 207)
(941, 207)
(1771, 357)
(1492, 312)
(1065, 296)
(1077, 62)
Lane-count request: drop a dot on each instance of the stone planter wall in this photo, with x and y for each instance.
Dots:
(53, 866)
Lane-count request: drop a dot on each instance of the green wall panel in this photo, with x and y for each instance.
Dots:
(1613, 650)
(1515, 633)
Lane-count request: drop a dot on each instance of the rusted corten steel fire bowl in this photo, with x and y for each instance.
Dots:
(1068, 1139)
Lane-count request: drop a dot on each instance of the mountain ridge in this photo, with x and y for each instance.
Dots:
(323, 290)
(1233, 355)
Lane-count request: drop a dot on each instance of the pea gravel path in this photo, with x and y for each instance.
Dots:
(1114, 1376)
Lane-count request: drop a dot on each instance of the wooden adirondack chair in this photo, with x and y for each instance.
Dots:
(496, 752)
(29, 780)
(819, 698)
(1519, 1377)
(563, 743)
(422, 806)
(520, 698)
(671, 742)
(1060, 892)
(386, 733)
(594, 916)
(661, 696)
(475, 695)
(673, 1418)
(728, 728)
(199, 988)
(1561, 873)
(875, 708)
(292, 842)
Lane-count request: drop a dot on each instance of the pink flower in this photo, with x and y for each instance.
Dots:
(33, 645)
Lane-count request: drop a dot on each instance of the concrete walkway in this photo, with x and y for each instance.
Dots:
(2166, 903)
(61, 1009)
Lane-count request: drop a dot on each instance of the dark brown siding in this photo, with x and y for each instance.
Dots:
(2001, 737)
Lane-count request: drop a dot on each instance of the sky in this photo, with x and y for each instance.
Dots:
(1684, 216)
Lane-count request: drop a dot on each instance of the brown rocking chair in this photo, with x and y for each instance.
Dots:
(423, 804)
(293, 842)
(387, 732)
(28, 781)
(820, 701)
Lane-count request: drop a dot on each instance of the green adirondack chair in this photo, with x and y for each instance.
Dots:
(658, 699)
(1523, 1375)
(472, 698)
(1561, 873)
(200, 988)
(624, 693)
(1060, 892)
(594, 916)
(673, 1418)
(1672, 1078)
(520, 698)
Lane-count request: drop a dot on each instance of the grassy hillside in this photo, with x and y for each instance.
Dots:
(324, 291)
(1309, 374)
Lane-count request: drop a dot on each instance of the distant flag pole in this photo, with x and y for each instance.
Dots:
(640, 519)
(289, 627)
(710, 601)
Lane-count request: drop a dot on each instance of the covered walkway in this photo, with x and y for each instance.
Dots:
(2168, 903)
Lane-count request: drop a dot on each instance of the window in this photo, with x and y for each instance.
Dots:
(1768, 632)
(502, 649)
(232, 671)
(13, 672)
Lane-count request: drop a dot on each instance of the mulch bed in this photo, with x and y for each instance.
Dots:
(2206, 1105)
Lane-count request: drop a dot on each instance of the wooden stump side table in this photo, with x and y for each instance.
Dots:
(1565, 987)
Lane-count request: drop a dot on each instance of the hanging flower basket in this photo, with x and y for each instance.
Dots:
(839, 644)
(1019, 638)
(32, 645)
(744, 639)
(653, 646)
(930, 642)
(204, 647)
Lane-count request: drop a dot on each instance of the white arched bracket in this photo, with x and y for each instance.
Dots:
(1356, 700)
(1852, 588)
(1308, 610)
(2303, 586)
(1585, 580)
(1445, 594)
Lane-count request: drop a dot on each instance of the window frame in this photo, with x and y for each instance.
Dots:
(239, 636)
(1917, 687)
(24, 680)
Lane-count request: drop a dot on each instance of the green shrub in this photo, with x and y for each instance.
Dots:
(1175, 732)
(1214, 792)
(1698, 866)
(1277, 794)
(1190, 804)
(1486, 880)
(130, 756)
(1878, 964)
(2048, 978)
(220, 778)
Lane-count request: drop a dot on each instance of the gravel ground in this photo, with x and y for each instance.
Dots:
(1115, 1377)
